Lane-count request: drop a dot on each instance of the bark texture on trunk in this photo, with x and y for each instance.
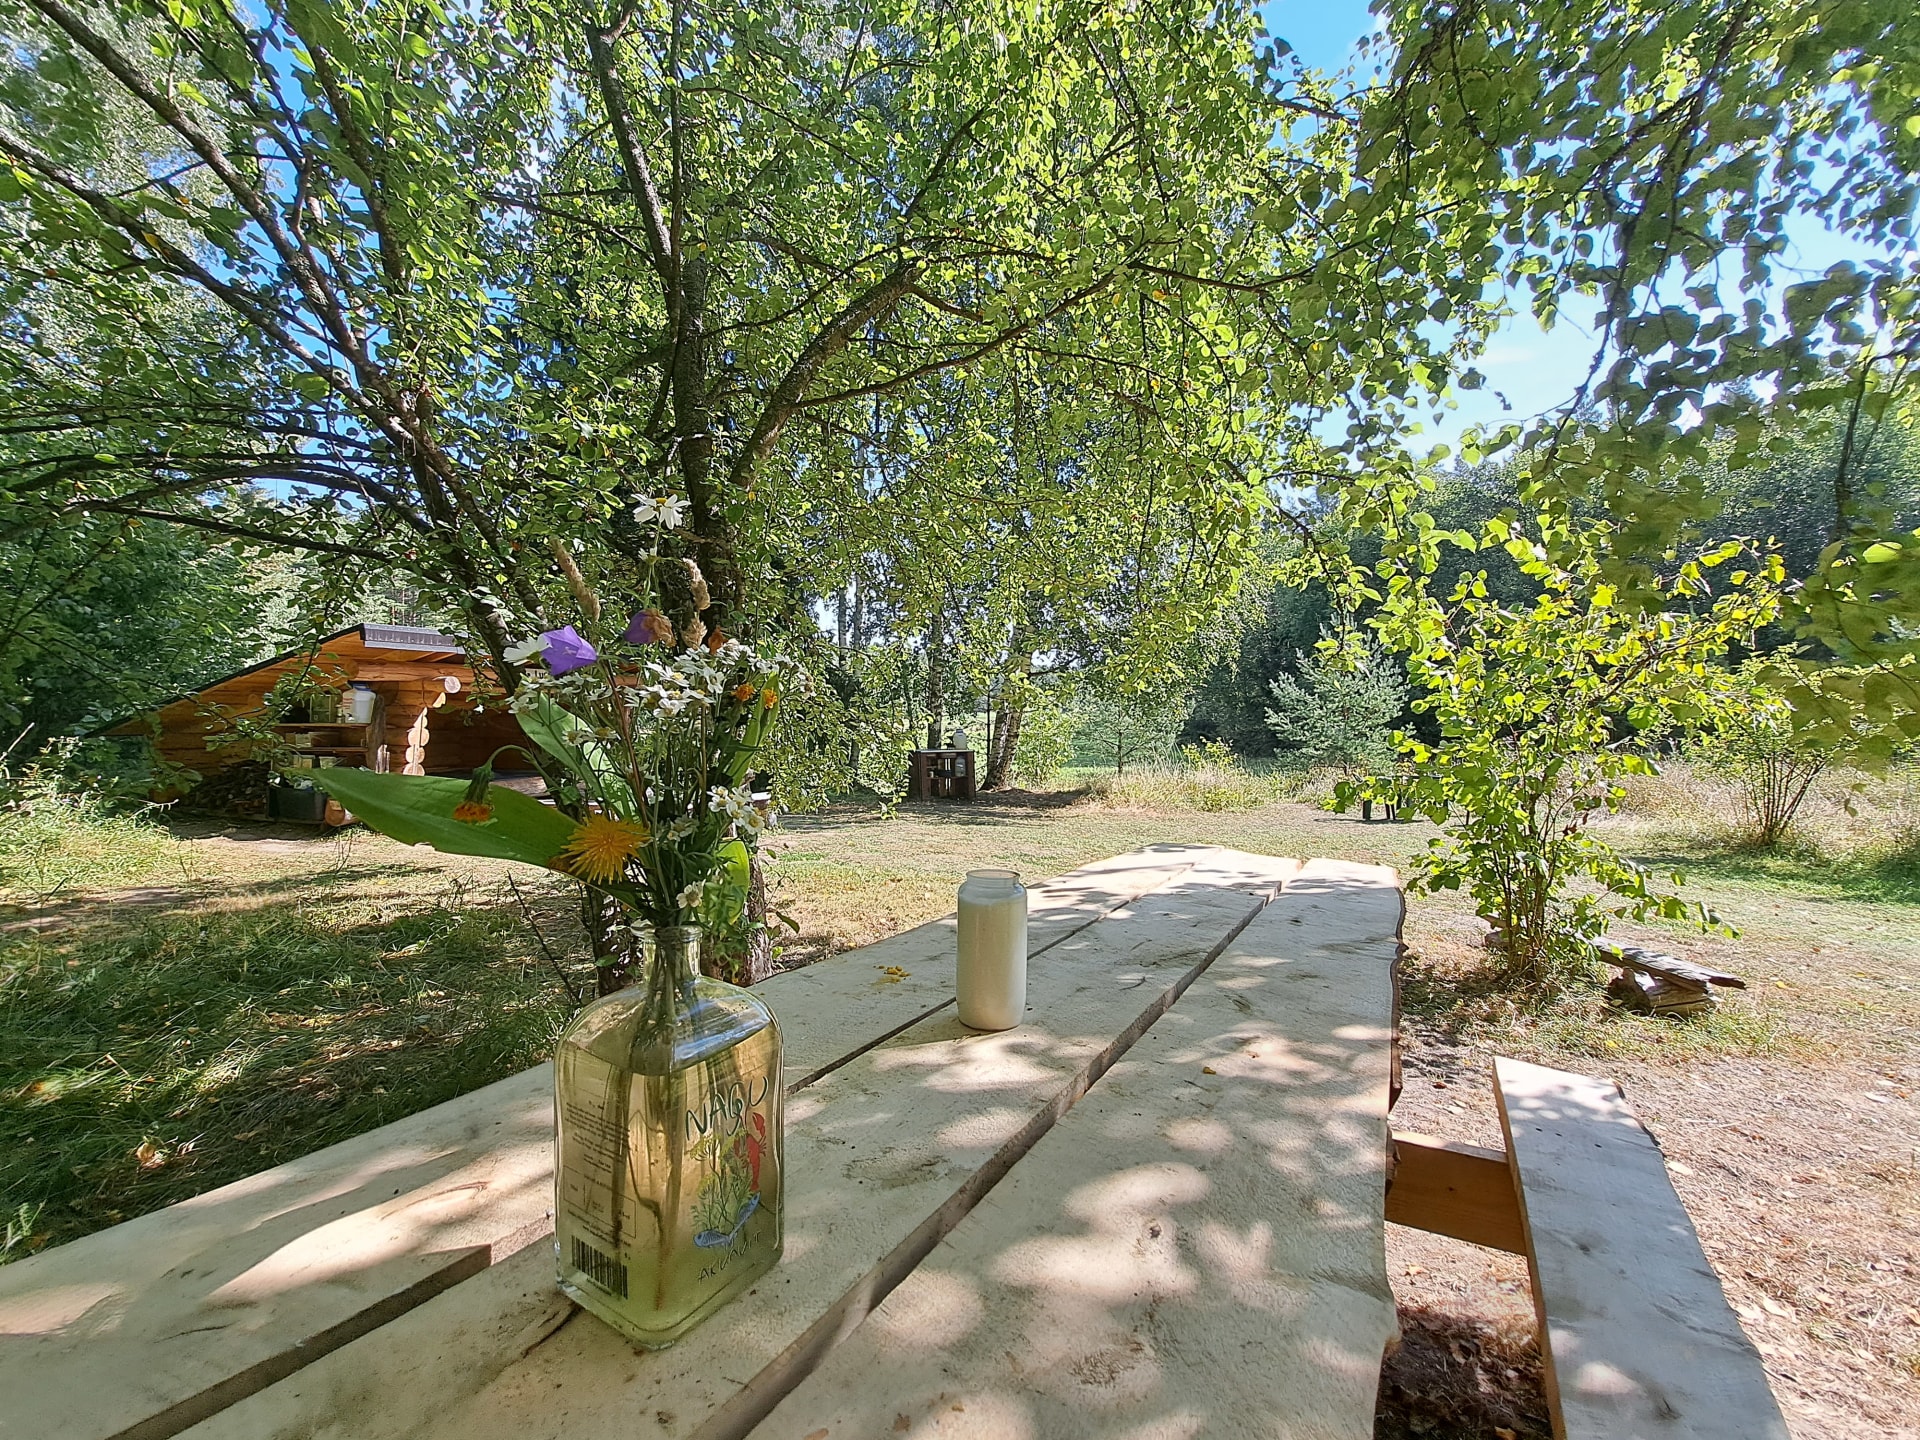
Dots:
(1006, 739)
(1010, 712)
(936, 682)
(617, 956)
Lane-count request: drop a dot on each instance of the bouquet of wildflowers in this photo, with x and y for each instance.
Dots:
(646, 735)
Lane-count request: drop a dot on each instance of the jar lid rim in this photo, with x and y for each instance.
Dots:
(993, 874)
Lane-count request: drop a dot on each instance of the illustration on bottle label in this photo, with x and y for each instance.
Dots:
(731, 1191)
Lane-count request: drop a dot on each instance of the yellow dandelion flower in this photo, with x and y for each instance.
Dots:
(600, 847)
(473, 812)
(769, 699)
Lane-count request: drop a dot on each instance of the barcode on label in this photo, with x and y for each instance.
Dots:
(603, 1270)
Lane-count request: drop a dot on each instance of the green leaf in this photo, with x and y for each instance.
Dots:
(418, 810)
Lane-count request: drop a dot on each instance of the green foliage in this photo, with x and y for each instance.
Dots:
(1121, 729)
(418, 810)
(1045, 745)
(103, 619)
(1750, 735)
(1340, 710)
(1262, 639)
(1536, 706)
(1024, 379)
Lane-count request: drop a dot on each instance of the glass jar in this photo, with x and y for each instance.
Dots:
(667, 1147)
(990, 980)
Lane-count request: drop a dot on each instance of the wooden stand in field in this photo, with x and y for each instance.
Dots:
(941, 774)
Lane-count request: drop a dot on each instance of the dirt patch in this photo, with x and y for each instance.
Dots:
(1461, 1379)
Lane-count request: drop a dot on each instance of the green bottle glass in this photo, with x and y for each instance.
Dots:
(667, 1121)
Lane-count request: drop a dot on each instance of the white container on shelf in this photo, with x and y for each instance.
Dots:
(359, 703)
(991, 978)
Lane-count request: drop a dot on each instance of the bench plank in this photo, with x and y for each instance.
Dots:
(1637, 1337)
(884, 1155)
(1662, 965)
(141, 1330)
(1197, 1248)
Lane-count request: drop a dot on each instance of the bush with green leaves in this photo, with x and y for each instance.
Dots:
(1339, 710)
(1045, 745)
(1538, 705)
(1772, 751)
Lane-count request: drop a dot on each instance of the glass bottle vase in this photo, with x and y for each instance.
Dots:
(667, 1147)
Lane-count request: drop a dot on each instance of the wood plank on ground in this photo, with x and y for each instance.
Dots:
(141, 1330)
(884, 1154)
(1637, 1337)
(1197, 1249)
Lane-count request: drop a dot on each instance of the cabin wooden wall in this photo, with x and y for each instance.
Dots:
(429, 725)
(463, 738)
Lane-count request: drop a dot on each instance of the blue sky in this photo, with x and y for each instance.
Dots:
(1528, 369)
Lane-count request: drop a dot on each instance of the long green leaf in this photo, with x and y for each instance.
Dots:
(570, 740)
(418, 810)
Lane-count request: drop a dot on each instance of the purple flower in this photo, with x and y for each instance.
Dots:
(566, 651)
(648, 627)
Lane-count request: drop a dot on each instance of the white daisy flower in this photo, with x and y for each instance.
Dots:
(669, 510)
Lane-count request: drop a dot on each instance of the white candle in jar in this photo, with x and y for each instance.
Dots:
(992, 973)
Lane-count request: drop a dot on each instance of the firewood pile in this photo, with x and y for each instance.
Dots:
(236, 790)
(1652, 983)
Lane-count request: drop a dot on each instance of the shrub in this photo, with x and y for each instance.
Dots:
(1045, 745)
(1531, 701)
(1751, 740)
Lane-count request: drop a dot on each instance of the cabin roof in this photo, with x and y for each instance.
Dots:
(402, 642)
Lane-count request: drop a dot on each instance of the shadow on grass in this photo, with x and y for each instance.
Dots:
(147, 1062)
(1870, 876)
(191, 897)
(1458, 1010)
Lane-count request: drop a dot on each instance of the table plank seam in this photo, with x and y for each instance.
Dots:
(758, 1397)
(1119, 902)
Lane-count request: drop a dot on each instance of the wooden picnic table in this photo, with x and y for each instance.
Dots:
(1155, 1208)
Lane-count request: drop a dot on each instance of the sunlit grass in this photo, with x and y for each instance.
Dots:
(143, 1062)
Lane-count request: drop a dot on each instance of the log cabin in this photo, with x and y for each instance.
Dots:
(248, 735)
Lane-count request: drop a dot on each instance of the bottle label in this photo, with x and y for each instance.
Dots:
(729, 1134)
(595, 1126)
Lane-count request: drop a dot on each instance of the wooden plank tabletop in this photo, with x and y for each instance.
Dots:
(391, 1287)
(884, 1154)
(1638, 1338)
(1197, 1249)
(141, 1330)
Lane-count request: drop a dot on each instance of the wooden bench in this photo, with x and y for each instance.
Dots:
(1671, 986)
(1636, 1336)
